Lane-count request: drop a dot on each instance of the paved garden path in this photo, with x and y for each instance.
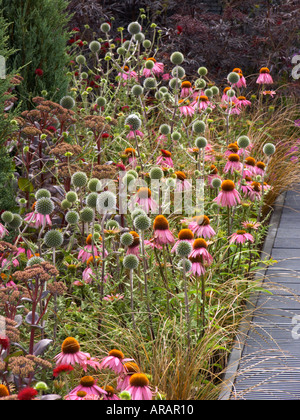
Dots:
(265, 363)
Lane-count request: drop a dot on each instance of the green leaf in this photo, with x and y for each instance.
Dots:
(25, 185)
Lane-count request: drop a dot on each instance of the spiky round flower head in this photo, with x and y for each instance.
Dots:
(200, 84)
(65, 204)
(174, 82)
(67, 102)
(202, 71)
(269, 149)
(201, 142)
(199, 127)
(101, 101)
(127, 239)
(183, 249)
(171, 182)
(215, 90)
(106, 202)
(128, 179)
(42, 192)
(186, 264)
(80, 59)
(163, 89)
(140, 37)
(53, 239)
(95, 46)
(147, 44)
(134, 28)
(105, 27)
(149, 64)
(79, 180)
(133, 172)
(216, 183)
(233, 78)
(34, 261)
(178, 71)
(133, 121)
(131, 262)
(208, 93)
(176, 136)
(44, 206)
(137, 90)
(121, 50)
(87, 214)
(137, 212)
(165, 129)
(72, 197)
(91, 200)
(150, 83)
(142, 222)
(94, 185)
(177, 58)
(243, 142)
(16, 221)
(156, 173)
(72, 217)
(7, 216)
(230, 93)
(84, 75)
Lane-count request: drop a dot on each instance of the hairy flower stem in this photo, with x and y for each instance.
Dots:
(146, 284)
(186, 303)
(131, 299)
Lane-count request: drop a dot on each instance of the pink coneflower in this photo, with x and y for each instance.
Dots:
(114, 361)
(200, 250)
(251, 225)
(162, 233)
(157, 69)
(271, 93)
(113, 298)
(128, 74)
(184, 235)
(240, 237)
(3, 231)
(144, 200)
(225, 98)
(130, 152)
(233, 164)
(197, 266)
(165, 159)
(134, 248)
(242, 101)
(89, 272)
(71, 354)
(186, 108)
(166, 76)
(255, 191)
(249, 168)
(87, 386)
(201, 103)
(264, 77)
(200, 226)
(242, 82)
(110, 394)
(232, 148)
(186, 89)
(260, 168)
(130, 368)
(228, 196)
(182, 184)
(87, 252)
(131, 135)
(37, 220)
(139, 387)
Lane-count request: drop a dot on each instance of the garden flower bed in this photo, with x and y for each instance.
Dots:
(143, 201)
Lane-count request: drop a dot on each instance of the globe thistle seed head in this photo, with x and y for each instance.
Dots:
(134, 28)
(142, 222)
(101, 101)
(199, 127)
(94, 185)
(140, 37)
(105, 27)
(133, 172)
(131, 262)
(53, 239)
(176, 136)
(163, 89)
(149, 64)
(65, 204)
(171, 182)
(174, 82)
(137, 90)
(87, 215)
(95, 46)
(79, 179)
(183, 249)
(16, 221)
(201, 142)
(200, 84)
(177, 58)
(72, 217)
(72, 197)
(216, 183)
(269, 149)
(80, 59)
(67, 102)
(230, 93)
(215, 90)
(42, 192)
(7, 216)
(178, 71)
(84, 76)
(202, 71)
(186, 264)
(126, 239)
(34, 261)
(165, 129)
(208, 93)
(112, 224)
(128, 180)
(233, 78)
(106, 202)
(133, 121)
(147, 44)
(44, 206)
(150, 83)
(137, 212)
(91, 200)
(121, 50)
(156, 173)
(243, 142)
